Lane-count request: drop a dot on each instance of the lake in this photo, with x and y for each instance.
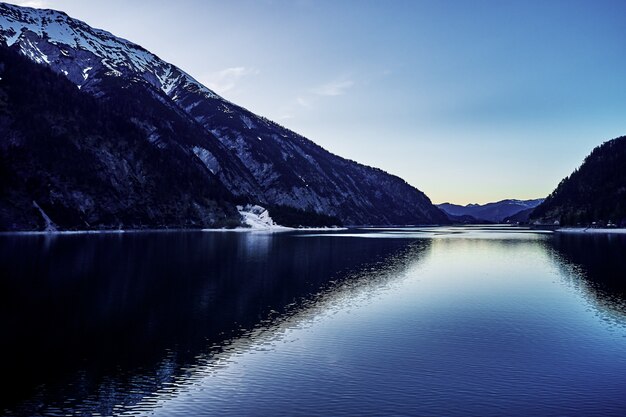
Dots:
(411, 321)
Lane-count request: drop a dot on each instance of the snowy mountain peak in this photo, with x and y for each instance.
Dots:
(79, 51)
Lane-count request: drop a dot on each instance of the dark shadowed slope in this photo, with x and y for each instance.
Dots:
(69, 159)
(595, 192)
(520, 217)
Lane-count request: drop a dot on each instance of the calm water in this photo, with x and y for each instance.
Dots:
(444, 321)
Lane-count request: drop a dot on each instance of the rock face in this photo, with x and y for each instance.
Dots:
(594, 193)
(256, 160)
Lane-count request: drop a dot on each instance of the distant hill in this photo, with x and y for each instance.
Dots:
(595, 192)
(521, 217)
(465, 219)
(491, 212)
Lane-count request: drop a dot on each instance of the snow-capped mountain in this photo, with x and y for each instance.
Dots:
(257, 160)
(74, 48)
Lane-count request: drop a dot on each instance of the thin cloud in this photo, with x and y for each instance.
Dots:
(333, 88)
(303, 102)
(39, 4)
(226, 79)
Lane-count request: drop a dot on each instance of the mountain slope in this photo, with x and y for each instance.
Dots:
(69, 161)
(491, 212)
(257, 160)
(519, 217)
(595, 192)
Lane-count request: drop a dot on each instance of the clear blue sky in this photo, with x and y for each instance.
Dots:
(470, 101)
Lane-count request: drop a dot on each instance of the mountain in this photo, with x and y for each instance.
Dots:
(490, 212)
(595, 192)
(255, 159)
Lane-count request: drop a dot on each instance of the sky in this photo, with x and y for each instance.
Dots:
(469, 101)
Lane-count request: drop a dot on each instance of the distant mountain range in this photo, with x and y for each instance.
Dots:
(496, 212)
(593, 193)
(108, 135)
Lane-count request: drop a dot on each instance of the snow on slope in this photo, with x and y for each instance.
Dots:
(258, 218)
(117, 55)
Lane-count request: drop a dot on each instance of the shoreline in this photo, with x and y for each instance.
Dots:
(591, 231)
(124, 231)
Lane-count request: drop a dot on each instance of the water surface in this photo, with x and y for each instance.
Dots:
(412, 321)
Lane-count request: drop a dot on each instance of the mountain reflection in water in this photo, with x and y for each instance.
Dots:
(104, 319)
(596, 266)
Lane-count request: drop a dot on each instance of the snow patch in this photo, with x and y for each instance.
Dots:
(12, 36)
(113, 73)
(86, 72)
(258, 218)
(32, 51)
